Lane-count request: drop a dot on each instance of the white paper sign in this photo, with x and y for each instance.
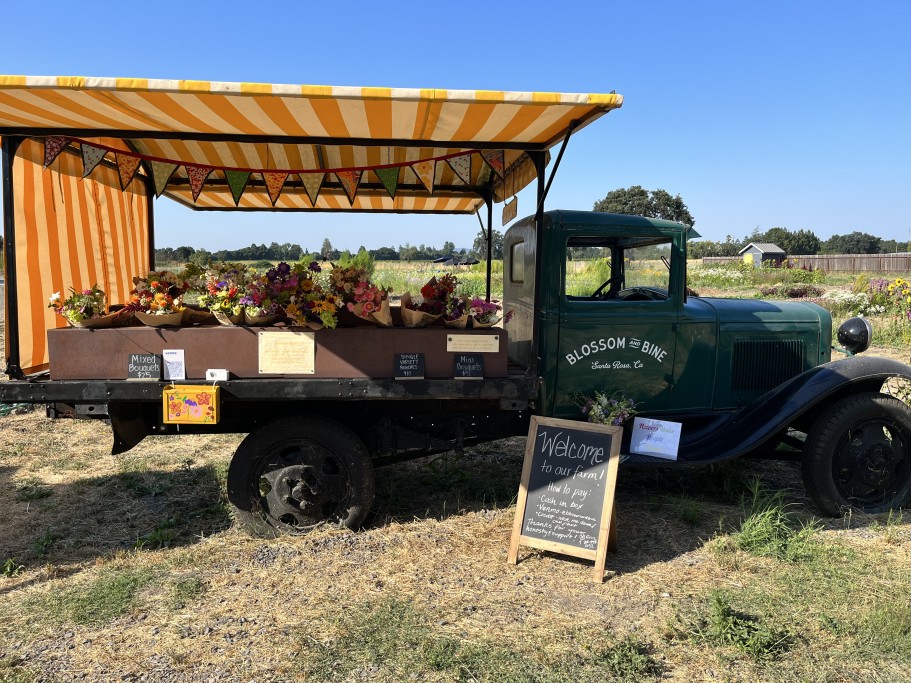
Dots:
(174, 366)
(655, 437)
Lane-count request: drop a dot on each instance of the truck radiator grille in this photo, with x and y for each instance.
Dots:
(762, 364)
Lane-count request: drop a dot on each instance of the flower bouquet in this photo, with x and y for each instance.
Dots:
(157, 300)
(352, 286)
(311, 306)
(607, 409)
(223, 289)
(456, 313)
(484, 313)
(436, 295)
(266, 295)
(83, 309)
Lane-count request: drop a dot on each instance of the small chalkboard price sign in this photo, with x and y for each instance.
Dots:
(566, 497)
(144, 366)
(468, 366)
(409, 366)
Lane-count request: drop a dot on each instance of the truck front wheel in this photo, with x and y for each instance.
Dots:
(295, 474)
(858, 455)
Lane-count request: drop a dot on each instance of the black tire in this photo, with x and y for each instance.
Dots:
(295, 474)
(858, 456)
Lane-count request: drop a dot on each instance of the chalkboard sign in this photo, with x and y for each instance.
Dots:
(409, 366)
(566, 497)
(145, 366)
(468, 366)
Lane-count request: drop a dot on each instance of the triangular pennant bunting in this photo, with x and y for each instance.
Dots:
(461, 166)
(390, 179)
(496, 160)
(484, 175)
(274, 181)
(425, 171)
(53, 145)
(349, 180)
(161, 174)
(237, 181)
(313, 183)
(91, 157)
(197, 176)
(126, 168)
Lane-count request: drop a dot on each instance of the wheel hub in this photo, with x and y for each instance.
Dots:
(301, 495)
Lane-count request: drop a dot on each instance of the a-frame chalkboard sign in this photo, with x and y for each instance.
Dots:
(566, 497)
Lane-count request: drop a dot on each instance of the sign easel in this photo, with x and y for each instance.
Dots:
(566, 496)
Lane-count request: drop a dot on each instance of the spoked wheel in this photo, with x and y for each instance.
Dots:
(858, 455)
(295, 474)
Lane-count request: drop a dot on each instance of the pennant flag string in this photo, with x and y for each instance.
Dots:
(57, 143)
(91, 157)
(349, 181)
(126, 168)
(390, 179)
(237, 181)
(461, 166)
(197, 176)
(161, 174)
(53, 145)
(274, 182)
(425, 171)
(313, 183)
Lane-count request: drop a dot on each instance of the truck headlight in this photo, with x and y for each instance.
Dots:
(855, 334)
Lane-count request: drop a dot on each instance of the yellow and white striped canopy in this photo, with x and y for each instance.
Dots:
(263, 127)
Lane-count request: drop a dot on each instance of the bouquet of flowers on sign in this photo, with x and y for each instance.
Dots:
(311, 305)
(82, 309)
(352, 286)
(608, 409)
(223, 290)
(157, 299)
(436, 298)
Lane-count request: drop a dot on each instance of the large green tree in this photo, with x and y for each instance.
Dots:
(637, 201)
(852, 243)
(800, 242)
(479, 249)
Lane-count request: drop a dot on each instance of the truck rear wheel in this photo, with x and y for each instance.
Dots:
(858, 455)
(295, 474)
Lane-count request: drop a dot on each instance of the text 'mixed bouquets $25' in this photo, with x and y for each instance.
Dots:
(352, 286)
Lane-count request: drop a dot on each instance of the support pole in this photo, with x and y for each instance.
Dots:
(489, 201)
(11, 290)
(538, 158)
(150, 209)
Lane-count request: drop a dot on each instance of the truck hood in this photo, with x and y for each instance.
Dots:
(756, 311)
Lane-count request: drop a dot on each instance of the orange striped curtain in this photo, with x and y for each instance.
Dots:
(71, 232)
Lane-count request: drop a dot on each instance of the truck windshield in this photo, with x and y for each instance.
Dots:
(617, 268)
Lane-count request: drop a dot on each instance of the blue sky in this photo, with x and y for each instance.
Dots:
(792, 114)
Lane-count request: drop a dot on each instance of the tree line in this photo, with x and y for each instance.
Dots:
(638, 201)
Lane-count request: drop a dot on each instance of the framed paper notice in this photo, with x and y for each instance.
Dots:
(286, 352)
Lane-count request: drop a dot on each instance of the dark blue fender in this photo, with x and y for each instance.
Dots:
(747, 430)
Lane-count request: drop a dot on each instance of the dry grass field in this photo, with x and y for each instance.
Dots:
(129, 568)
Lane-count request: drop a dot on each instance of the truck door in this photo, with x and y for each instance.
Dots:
(618, 313)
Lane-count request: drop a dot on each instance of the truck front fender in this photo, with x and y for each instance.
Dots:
(798, 400)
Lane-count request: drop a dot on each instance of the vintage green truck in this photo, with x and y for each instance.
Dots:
(741, 377)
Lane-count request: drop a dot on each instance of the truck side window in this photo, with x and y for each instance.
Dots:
(618, 268)
(517, 263)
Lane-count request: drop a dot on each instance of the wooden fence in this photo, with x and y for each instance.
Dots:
(847, 263)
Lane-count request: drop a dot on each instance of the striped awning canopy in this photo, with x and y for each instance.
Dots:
(307, 132)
